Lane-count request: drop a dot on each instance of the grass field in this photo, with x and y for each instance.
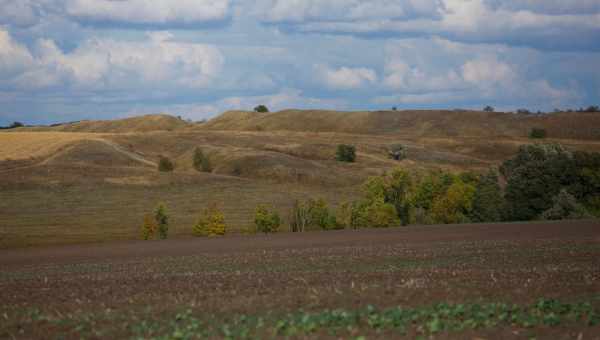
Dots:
(96, 184)
(499, 281)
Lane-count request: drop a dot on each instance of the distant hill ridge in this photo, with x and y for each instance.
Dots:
(409, 123)
(417, 123)
(146, 123)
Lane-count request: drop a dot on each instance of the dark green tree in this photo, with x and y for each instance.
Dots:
(165, 164)
(162, 220)
(261, 109)
(345, 153)
(488, 200)
(534, 176)
(565, 207)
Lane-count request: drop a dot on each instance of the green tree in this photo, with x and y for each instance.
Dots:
(266, 221)
(162, 221)
(537, 133)
(319, 214)
(165, 164)
(399, 193)
(455, 205)
(564, 207)
(211, 223)
(534, 176)
(345, 153)
(261, 109)
(201, 161)
(487, 200)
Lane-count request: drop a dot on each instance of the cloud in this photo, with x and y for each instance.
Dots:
(345, 78)
(144, 13)
(284, 99)
(108, 64)
(524, 23)
(298, 11)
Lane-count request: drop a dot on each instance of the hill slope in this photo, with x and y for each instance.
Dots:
(415, 123)
(154, 122)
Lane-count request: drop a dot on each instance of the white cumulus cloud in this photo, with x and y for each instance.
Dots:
(345, 78)
(110, 64)
(149, 12)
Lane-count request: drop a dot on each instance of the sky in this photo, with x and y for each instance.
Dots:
(66, 60)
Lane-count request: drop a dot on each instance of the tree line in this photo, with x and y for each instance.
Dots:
(541, 182)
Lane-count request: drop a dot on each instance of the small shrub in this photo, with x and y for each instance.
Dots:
(537, 133)
(345, 153)
(261, 109)
(149, 227)
(201, 161)
(165, 164)
(397, 152)
(266, 221)
(319, 215)
(211, 223)
(162, 220)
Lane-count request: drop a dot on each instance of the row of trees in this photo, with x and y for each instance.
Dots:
(542, 182)
(591, 108)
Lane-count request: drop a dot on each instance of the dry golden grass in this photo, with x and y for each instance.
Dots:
(25, 145)
(69, 187)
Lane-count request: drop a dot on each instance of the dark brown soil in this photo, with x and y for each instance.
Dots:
(416, 266)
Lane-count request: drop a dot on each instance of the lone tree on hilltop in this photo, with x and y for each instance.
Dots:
(261, 108)
(488, 109)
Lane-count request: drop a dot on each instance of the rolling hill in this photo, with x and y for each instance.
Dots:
(95, 180)
(414, 123)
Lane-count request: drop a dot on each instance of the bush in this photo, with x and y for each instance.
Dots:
(397, 152)
(565, 207)
(162, 220)
(376, 214)
(165, 164)
(266, 221)
(319, 215)
(537, 133)
(211, 223)
(488, 109)
(261, 109)
(201, 161)
(345, 153)
(149, 227)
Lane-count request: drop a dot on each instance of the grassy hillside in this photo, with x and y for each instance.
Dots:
(67, 187)
(415, 123)
(155, 122)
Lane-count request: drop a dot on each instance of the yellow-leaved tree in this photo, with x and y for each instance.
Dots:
(149, 227)
(211, 223)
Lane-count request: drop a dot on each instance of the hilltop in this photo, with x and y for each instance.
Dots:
(414, 123)
(145, 123)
